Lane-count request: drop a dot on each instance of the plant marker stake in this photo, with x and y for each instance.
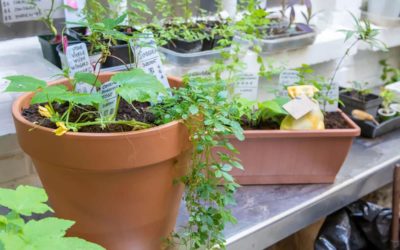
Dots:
(394, 242)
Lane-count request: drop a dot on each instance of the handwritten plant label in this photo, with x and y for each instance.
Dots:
(109, 94)
(145, 50)
(27, 10)
(78, 61)
(299, 107)
(331, 91)
(287, 78)
(247, 86)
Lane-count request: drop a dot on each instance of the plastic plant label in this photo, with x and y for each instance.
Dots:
(109, 94)
(145, 50)
(247, 86)
(332, 93)
(299, 107)
(78, 61)
(287, 78)
(27, 10)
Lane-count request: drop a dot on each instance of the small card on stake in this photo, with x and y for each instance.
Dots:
(299, 107)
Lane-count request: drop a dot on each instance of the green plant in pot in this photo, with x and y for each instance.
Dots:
(116, 160)
(49, 42)
(389, 74)
(359, 97)
(386, 112)
(17, 232)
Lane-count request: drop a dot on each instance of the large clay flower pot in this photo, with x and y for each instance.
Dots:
(118, 187)
(293, 157)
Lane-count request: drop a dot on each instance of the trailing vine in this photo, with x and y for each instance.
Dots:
(210, 117)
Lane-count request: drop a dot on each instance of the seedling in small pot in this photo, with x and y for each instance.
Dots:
(386, 112)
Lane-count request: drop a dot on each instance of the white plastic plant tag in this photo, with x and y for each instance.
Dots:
(299, 107)
(287, 78)
(109, 94)
(247, 86)
(78, 61)
(332, 94)
(27, 10)
(146, 53)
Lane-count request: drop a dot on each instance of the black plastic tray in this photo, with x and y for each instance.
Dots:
(371, 130)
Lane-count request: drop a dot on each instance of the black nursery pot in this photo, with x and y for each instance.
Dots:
(49, 49)
(121, 51)
(370, 104)
(183, 46)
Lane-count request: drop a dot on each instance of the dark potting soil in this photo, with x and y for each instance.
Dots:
(138, 111)
(332, 120)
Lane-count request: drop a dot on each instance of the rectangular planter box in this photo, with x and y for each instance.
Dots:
(293, 157)
(350, 103)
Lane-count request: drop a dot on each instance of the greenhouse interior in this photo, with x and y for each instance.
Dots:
(199, 124)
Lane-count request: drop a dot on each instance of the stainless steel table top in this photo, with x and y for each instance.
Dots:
(266, 214)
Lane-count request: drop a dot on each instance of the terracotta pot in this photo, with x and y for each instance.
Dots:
(293, 157)
(118, 187)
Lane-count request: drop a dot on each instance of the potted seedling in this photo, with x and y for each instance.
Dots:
(125, 147)
(50, 42)
(280, 149)
(280, 32)
(17, 231)
(386, 112)
(359, 97)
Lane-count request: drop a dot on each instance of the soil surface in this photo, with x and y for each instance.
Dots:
(333, 120)
(138, 111)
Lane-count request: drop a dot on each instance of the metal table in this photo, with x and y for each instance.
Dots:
(270, 213)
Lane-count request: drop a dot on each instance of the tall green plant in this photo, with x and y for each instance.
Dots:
(44, 234)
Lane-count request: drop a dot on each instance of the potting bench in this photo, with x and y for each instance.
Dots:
(266, 214)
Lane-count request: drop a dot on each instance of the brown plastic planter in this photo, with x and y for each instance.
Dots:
(293, 157)
(118, 187)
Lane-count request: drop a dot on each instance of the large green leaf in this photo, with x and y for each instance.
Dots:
(136, 85)
(83, 98)
(87, 77)
(48, 227)
(24, 84)
(49, 94)
(25, 200)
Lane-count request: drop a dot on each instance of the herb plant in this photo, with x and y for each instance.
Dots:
(388, 98)
(210, 116)
(389, 74)
(133, 85)
(44, 234)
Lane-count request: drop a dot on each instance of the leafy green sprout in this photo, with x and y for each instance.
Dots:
(358, 90)
(388, 98)
(134, 85)
(48, 233)
(389, 74)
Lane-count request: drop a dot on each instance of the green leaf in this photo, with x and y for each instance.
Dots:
(83, 98)
(136, 85)
(25, 200)
(193, 109)
(87, 77)
(49, 94)
(24, 84)
(48, 227)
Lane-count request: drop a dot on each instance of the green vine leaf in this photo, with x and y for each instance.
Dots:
(49, 94)
(24, 84)
(25, 200)
(88, 78)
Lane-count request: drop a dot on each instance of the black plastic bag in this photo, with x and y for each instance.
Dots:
(359, 226)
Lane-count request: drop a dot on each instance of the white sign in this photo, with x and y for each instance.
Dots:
(145, 50)
(299, 107)
(287, 78)
(247, 86)
(331, 92)
(109, 94)
(78, 61)
(27, 10)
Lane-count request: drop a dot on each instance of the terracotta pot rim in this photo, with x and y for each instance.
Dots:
(354, 130)
(18, 103)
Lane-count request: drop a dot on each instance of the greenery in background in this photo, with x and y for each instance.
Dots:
(388, 98)
(47, 18)
(389, 74)
(134, 85)
(210, 117)
(45, 234)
